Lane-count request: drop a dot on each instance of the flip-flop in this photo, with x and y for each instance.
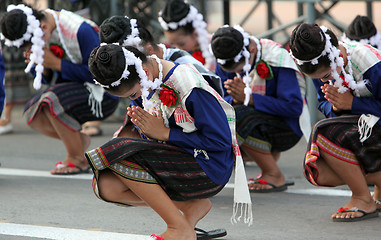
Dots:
(205, 235)
(355, 219)
(273, 188)
(60, 165)
(286, 182)
(154, 237)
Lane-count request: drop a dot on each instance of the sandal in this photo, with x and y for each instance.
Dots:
(154, 237)
(60, 165)
(355, 219)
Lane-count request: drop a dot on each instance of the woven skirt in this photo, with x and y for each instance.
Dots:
(69, 103)
(175, 170)
(340, 138)
(263, 132)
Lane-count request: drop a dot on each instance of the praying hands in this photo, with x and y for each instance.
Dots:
(235, 88)
(340, 101)
(150, 125)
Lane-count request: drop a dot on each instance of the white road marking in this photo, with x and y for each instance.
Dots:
(56, 233)
(89, 176)
(36, 173)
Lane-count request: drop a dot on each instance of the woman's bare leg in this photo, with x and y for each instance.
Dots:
(350, 174)
(269, 167)
(178, 228)
(75, 142)
(112, 189)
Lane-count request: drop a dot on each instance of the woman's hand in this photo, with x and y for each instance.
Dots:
(340, 101)
(236, 89)
(51, 61)
(151, 125)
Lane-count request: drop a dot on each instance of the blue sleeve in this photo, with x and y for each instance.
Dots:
(88, 40)
(324, 106)
(2, 90)
(370, 105)
(213, 132)
(225, 76)
(283, 97)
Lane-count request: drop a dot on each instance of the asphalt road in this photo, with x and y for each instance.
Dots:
(36, 205)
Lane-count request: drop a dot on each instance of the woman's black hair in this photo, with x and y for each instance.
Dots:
(307, 42)
(14, 24)
(175, 11)
(116, 29)
(107, 63)
(227, 43)
(361, 28)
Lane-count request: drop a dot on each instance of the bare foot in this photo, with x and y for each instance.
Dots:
(71, 165)
(185, 232)
(363, 203)
(194, 210)
(277, 180)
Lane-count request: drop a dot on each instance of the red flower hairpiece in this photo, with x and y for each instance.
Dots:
(264, 70)
(169, 96)
(57, 50)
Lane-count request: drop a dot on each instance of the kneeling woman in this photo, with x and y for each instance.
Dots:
(345, 148)
(186, 154)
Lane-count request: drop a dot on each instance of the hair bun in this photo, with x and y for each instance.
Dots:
(175, 10)
(104, 57)
(106, 63)
(14, 24)
(114, 29)
(361, 28)
(226, 43)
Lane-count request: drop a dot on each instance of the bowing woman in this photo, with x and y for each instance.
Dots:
(59, 45)
(188, 146)
(345, 148)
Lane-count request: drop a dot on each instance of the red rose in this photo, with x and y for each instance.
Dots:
(57, 50)
(262, 70)
(167, 96)
(198, 55)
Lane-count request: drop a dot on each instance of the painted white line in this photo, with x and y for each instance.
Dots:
(89, 176)
(36, 173)
(56, 233)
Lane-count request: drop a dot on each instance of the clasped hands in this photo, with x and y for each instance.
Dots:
(236, 89)
(151, 125)
(340, 101)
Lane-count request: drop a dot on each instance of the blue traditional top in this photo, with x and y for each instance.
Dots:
(282, 97)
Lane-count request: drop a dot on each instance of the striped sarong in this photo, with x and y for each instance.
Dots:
(263, 132)
(68, 102)
(339, 137)
(174, 169)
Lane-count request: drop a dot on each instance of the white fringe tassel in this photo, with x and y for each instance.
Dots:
(245, 212)
(365, 125)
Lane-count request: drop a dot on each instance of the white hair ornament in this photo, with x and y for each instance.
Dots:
(374, 40)
(34, 34)
(199, 25)
(344, 83)
(246, 54)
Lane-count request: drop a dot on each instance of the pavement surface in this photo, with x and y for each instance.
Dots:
(37, 205)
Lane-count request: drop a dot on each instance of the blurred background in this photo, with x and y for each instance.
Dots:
(255, 16)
